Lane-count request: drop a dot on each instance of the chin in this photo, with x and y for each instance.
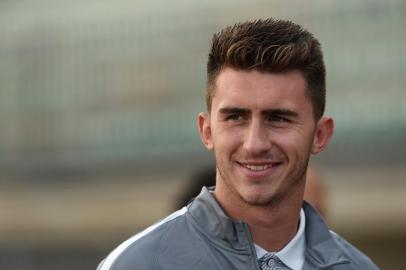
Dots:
(259, 199)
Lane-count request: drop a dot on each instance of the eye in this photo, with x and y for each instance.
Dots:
(234, 117)
(277, 119)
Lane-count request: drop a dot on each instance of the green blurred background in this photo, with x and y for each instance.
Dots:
(98, 106)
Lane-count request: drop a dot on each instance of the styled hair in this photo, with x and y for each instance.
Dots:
(269, 46)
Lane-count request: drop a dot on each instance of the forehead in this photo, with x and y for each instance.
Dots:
(261, 90)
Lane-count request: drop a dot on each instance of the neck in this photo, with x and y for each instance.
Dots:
(271, 226)
(272, 230)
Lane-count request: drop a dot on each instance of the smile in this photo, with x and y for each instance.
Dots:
(258, 168)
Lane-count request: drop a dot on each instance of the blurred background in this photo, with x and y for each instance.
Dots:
(98, 106)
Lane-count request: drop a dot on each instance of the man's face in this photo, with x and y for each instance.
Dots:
(262, 131)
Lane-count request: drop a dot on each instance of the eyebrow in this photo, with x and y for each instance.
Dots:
(282, 112)
(232, 110)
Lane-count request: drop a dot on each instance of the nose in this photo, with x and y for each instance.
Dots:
(256, 141)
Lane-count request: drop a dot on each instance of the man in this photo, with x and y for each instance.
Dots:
(265, 104)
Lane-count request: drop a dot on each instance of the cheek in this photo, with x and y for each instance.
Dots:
(286, 139)
(293, 143)
(226, 148)
(227, 138)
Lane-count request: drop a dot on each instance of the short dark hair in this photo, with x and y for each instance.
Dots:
(269, 45)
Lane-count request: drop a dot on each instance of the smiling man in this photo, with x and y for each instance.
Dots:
(265, 99)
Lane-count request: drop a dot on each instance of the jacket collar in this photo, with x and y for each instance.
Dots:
(322, 251)
(212, 220)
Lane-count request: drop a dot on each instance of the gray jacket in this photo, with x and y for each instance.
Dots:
(201, 237)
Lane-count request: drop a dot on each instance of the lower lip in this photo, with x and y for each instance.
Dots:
(259, 174)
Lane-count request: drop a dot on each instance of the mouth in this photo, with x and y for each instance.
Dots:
(259, 168)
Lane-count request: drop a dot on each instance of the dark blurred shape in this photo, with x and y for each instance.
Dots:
(203, 177)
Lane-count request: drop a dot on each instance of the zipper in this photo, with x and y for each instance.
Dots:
(247, 232)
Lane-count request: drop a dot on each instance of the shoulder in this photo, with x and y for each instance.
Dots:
(359, 259)
(141, 250)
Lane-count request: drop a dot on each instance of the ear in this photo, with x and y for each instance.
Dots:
(205, 130)
(324, 132)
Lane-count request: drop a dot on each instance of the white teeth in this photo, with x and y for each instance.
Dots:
(257, 167)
